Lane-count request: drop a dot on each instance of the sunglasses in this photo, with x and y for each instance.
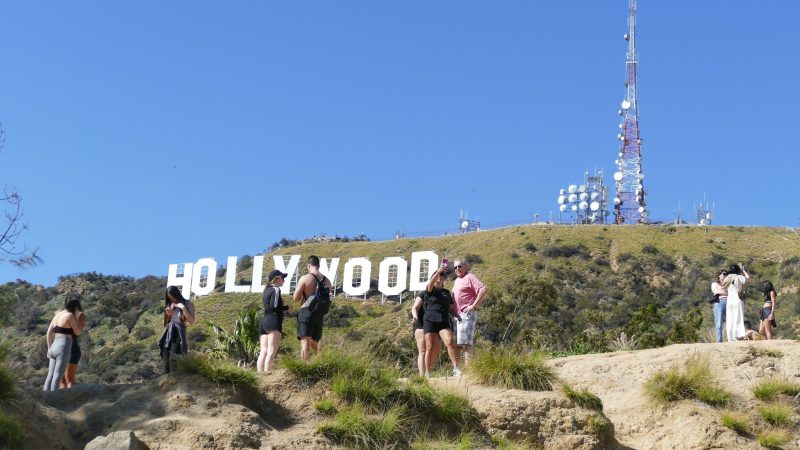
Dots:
(459, 266)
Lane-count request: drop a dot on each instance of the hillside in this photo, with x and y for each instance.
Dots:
(188, 411)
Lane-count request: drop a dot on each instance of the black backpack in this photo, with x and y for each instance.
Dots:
(320, 302)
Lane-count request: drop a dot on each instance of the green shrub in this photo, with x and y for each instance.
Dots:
(774, 439)
(11, 435)
(352, 426)
(8, 384)
(504, 368)
(583, 398)
(776, 414)
(242, 343)
(326, 406)
(769, 388)
(375, 389)
(456, 409)
(737, 422)
(694, 381)
(218, 371)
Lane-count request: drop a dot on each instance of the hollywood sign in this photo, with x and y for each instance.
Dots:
(199, 278)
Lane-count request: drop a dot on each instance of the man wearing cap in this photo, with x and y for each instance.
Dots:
(309, 324)
(468, 292)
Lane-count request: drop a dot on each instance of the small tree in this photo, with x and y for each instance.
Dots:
(12, 251)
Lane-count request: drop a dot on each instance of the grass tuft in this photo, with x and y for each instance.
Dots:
(325, 366)
(456, 409)
(598, 424)
(504, 368)
(752, 350)
(218, 371)
(774, 439)
(11, 435)
(583, 398)
(769, 388)
(776, 414)
(326, 406)
(736, 421)
(353, 427)
(694, 381)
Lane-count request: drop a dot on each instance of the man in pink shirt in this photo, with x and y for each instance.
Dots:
(468, 292)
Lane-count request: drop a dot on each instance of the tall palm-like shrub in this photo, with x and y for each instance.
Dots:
(241, 344)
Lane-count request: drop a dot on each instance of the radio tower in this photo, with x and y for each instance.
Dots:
(629, 204)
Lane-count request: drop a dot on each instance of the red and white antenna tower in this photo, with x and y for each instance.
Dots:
(629, 204)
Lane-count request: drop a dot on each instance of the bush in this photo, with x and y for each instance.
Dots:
(754, 351)
(776, 414)
(353, 427)
(566, 251)
(737, 422)
(769, 388)
(325, 366)
(11, 435)
(454, 408)
(242, 344)
(218, 371)
(375, 389)
(694, 381)
(598, 424)
(774, 439)
(583, 398)
(512, 370)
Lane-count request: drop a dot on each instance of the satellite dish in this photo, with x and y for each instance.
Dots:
(641, 209)
(562, 208)
(621, 138)
(626, 104)
(702, 221)
(573, 198)
(561, 192)
(620, 125)
(572, 189)
(617, 201)
(574, 207)
(709, 215)
(592, 217)
(594, 206)
(582, 188)
(625, 36)
(619, 112)
(620, 154)
(583, 205)
(594, 195)
(561, 199)
(584, 196)
(464, 225)
(617, 176)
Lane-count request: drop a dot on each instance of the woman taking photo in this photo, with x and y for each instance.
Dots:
(734, 310)
(178, 313)
(767, 312)
(62, 329)
(439, 305)
(271, 328)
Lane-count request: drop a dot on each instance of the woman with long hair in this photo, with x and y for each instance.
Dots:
(178, 312)
(767, 311)
(271, 328)
(734, 311)
(75, 354)
(62, 329)
(439, 305)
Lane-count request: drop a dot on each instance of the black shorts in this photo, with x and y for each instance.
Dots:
(270, 323)
(435, 327)
(75, 353)
(417, 325)
(309, 324)
(764, 313)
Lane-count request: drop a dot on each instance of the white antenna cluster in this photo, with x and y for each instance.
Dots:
(585, 203)
(465, 225)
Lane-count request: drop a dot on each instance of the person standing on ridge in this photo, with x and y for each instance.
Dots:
(734, 317)
(178, 313)
(720, 304)
(767, 312)
(270, 331)
(468, 292)
(309, 319)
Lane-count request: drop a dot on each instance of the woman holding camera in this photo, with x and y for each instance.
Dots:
(178, 313)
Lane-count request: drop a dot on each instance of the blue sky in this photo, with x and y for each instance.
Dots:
(147, 133)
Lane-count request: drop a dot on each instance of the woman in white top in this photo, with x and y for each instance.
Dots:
(734, 310)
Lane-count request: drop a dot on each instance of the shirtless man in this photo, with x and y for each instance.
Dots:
(309, 325)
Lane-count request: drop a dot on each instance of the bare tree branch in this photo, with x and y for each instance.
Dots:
(17, 254)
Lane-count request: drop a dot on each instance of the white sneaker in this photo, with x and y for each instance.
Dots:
(457, 372)
(427, 375)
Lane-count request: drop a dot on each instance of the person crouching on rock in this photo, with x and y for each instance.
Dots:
(439, 304)
(271, 328)
(178, 313)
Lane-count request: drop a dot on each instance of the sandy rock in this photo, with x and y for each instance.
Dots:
(118, 440)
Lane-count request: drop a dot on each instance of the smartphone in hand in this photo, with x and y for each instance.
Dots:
(446, 263)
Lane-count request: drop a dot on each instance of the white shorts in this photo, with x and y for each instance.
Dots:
(465, 330)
